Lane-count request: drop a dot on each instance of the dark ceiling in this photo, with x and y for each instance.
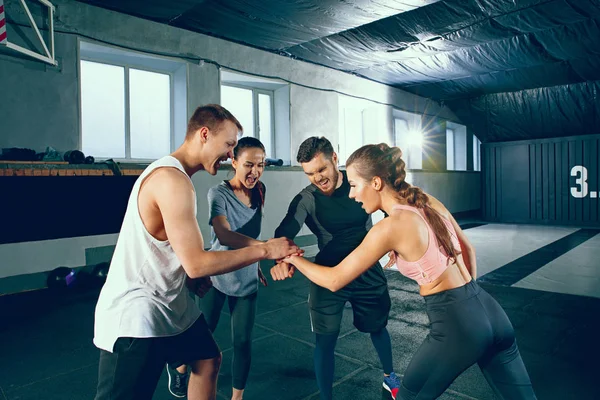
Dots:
(483, 58)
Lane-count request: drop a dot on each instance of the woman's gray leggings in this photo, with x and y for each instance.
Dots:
(242, 311)
(467, 326)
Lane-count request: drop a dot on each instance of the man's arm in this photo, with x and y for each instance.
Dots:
(174, 196)
(289, 228)
(294, 219)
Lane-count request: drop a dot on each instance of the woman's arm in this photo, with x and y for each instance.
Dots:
(376, 244)
(219, 209)
(230, 238)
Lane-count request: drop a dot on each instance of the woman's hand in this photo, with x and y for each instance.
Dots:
(290, 259)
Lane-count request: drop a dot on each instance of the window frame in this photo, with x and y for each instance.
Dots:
(450, 155)
(476, 154)
(255, 111)
(127, 134)
(459, 132)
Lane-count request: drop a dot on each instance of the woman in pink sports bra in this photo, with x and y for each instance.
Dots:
(467, 325)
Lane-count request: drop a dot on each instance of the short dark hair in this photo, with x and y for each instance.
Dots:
(210, 116)
(313, 146)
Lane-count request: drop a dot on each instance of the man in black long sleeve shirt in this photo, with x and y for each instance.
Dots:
(340, 225)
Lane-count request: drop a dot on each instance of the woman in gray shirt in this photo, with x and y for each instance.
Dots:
(235, 216)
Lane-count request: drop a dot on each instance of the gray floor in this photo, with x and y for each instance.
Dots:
(46, 350)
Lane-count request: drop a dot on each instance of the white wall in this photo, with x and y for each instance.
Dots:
(45, 255)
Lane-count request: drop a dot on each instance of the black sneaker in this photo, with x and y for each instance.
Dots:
(177, 382)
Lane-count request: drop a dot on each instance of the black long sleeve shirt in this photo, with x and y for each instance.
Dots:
(339, 223)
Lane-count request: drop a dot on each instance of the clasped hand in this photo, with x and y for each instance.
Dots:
(284, 268)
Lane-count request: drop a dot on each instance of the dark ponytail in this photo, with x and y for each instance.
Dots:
(386, 162)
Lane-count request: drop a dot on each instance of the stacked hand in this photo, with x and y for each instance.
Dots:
(280, 248)
(282, 270)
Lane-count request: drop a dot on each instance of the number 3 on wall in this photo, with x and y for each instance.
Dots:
(581, 172)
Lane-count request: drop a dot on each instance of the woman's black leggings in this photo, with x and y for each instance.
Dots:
(243, 311)
(467, 326)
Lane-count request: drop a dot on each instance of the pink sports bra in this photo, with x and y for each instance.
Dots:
(435, 260)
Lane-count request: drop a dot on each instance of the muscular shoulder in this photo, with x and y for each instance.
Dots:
(306, 196)
(168, 178)
(309, 190)
(166, 186)
(304, 200)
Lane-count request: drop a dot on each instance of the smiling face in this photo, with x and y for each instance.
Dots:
(363, 191)
(249, 166)
(219, 145)
(322, 172)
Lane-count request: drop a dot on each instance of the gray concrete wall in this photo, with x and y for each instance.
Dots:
(40, 103)
(312, 113)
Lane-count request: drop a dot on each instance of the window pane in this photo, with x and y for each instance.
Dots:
(401, 133)
(102, 110)
(150, 114)
(450, 149)
(264, 122)
(239, 102)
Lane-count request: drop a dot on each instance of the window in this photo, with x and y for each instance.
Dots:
(476, 154)
(456, 147)
(128, 102)
(254, 109)
(408, 136)
(360, 122)
(263, 108)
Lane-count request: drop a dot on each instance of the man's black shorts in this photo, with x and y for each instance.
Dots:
(370, 307)
(134, 367)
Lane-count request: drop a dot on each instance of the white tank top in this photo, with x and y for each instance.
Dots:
(145, 293)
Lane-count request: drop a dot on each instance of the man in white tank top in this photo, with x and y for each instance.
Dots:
(145, 316)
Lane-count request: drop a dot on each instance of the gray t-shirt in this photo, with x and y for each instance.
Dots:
(242, 219)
